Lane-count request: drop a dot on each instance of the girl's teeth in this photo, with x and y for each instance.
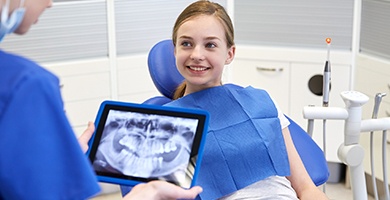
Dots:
(198, 68)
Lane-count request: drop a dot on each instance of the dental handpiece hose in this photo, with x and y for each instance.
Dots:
(378, 100)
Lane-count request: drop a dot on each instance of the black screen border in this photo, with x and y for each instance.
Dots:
(196, 150)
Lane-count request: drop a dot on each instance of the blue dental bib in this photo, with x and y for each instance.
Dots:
(244, 143)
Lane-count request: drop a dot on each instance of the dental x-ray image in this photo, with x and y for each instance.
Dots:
(146, 145)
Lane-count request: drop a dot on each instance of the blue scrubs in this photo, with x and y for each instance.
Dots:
(40, 157)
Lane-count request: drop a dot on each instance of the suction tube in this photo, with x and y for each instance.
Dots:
(378, 100)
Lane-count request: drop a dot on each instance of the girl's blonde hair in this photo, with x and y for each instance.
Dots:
(203, 8)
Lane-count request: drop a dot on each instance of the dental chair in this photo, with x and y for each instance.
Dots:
(166, 78)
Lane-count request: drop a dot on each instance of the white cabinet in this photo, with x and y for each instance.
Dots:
(285, 76)
(373, 76)
(271, 76)
(84, 85)
(133, 80)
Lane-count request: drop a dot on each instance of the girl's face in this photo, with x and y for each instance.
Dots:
(201, 52)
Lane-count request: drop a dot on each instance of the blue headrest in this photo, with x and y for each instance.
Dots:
(162, 68)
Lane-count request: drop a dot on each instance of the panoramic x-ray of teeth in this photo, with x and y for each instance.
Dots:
(146, 145)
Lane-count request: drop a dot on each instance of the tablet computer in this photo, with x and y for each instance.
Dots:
(135, 143)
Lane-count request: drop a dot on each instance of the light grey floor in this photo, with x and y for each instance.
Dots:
(338, 191)
(335, 191)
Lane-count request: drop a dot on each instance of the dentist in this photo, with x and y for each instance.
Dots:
(40, 157)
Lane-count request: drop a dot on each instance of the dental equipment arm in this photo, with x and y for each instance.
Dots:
(310, 112)
(369, 125)
(354, 101)
(350, 152)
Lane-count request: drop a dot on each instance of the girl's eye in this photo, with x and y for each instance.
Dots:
(210, 45)
(185, 44)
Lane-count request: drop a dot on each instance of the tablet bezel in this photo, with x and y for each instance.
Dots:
(196, 149)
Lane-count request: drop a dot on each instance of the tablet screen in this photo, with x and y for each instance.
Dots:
(136, 143)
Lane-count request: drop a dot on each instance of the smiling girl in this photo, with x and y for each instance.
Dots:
(249, 153)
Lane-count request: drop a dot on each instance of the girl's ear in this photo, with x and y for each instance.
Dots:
(230, 56)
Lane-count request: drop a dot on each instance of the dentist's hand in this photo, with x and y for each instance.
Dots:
(86, 136)
(161, 190)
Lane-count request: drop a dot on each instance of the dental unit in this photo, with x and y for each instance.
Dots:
(350, 151)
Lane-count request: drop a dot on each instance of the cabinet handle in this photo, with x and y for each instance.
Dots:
(269, 69)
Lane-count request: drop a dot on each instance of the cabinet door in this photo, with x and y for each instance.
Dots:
(85, 84)
(301, 96)
(134, 83)
(371, 77)
(270, 76)
(370, 83)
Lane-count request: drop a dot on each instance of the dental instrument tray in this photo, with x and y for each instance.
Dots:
(136, 143)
